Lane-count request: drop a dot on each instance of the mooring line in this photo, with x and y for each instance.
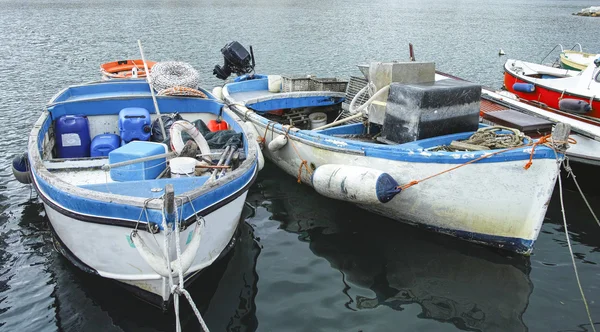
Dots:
(562, 206)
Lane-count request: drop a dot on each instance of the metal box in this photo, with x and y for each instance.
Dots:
(423, 110)
(382, 74)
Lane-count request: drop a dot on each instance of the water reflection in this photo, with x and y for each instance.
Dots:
(470, 286)
(224, 295)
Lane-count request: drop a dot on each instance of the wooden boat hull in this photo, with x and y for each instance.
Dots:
(93, 222)
(470, 202)
(574, 60)
(107, 252)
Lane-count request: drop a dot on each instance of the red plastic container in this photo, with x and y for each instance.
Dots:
(216, 125)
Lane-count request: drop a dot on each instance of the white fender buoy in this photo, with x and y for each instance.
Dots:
(218, 92)
(253, 137)
(177, 142)
(279, 142)
(159, 264)
(356, 184)
(274, 83)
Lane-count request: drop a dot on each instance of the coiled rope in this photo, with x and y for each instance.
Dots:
(182, 91)
(545, 140)
(169, 74)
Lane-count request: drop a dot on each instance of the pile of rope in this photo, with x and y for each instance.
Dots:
(182, 91)
(170, 74)
(488, 138)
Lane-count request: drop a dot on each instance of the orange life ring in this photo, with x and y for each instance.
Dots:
(123, 68)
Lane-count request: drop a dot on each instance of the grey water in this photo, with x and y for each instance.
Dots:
(304, 262)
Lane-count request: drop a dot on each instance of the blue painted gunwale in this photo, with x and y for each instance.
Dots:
(109, 89)
(258, 84)
(408, 152)
(110, 97)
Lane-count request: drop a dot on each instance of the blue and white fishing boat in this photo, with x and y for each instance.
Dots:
(125, 206)
(393, 160)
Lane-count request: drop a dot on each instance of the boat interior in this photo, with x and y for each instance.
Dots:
(558, 78)
(307, 115)
(105, 123)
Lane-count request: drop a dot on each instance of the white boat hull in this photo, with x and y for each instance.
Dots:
(106, 250)
(499, 204)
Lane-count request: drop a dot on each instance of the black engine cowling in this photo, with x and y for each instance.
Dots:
(237, 60)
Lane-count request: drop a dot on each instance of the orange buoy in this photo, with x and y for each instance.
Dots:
(124, 68)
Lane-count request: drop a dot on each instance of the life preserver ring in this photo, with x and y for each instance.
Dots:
(177, 142)
(124, 68)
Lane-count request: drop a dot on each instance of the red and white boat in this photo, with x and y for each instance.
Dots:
(575, 92)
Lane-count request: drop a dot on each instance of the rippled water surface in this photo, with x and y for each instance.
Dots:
(304, 262)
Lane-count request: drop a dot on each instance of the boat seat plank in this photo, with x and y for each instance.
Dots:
(524, 122)
(75, 163)
(149, 188)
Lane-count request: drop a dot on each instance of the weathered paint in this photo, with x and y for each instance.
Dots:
(494, 201)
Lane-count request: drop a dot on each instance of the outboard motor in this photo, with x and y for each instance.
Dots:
(237, 60)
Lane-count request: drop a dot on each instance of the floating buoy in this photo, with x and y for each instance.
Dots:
(279, 142)
(20, 168)
(574, 106)
(354, 184)
(524, 87)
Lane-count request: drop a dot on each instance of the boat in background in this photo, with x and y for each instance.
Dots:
(124, 205)
(566, 90)
(576, 60)
(125, 69)
(503, 108)
(378, 162)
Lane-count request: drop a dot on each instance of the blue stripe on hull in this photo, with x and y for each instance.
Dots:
(114, 210)
(517, 245)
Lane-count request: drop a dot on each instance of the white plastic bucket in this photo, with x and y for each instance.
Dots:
(274, 83)
(182, 167)
(317, 119)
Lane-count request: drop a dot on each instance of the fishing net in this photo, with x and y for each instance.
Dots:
(216, 140)
(169, 74)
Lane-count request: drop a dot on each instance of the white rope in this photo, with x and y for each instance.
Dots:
(168, 258)
(176, 290)
(569, 170)
(562, 206)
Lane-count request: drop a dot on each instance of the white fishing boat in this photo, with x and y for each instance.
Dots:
(124, 205)
(576, 60)
(393, 161)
